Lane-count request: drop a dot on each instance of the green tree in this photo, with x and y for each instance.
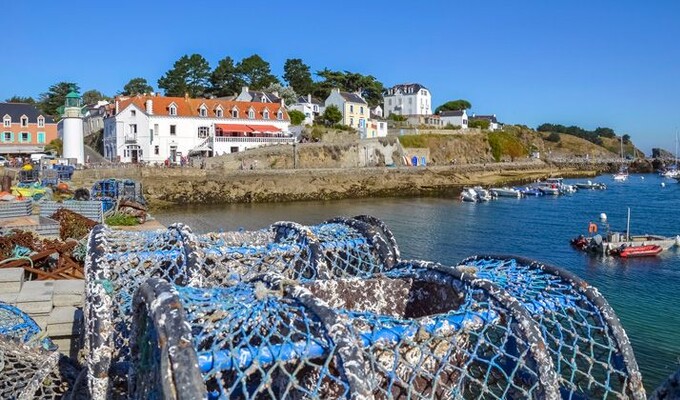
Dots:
(136, 86)
(256, 72)
(56, 145)
(626, 139)
(453, 105)
(225, 80)
(189, 75)
(367, 85)
(331, 115)
(479, 123)
(55, 97)
(285, 92)
(93, 96)
(297, 75)
(296, 117)
(20, 99)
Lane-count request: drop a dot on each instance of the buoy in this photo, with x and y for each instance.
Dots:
(663, 184)
(643, 178)
(603, 217)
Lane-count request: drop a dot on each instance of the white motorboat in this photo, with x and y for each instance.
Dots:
(482, 194)
(621, 176)
(505, 192)
(591, 185)
(469, 195)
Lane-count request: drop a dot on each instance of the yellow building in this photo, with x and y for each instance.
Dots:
(355, 110)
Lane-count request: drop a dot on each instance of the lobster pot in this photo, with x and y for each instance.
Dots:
(16, 324)
(589, 347)
(118, 262)
(34, 373)
(444, 337)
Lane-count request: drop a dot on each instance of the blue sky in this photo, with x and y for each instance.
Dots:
(587, 63)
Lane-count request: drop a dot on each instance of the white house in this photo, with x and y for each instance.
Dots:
(309, 106)
(93, 117)
(455, 118)
(157, 128)
(374, 128)
(493, 122)
(408, 99)
(377, 110)
(354, 109)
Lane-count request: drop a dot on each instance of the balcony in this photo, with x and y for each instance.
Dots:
(130, 138)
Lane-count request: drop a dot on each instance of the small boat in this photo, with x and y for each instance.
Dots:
(469, 195)
(530, 191)
(637, 251)
(568, 189)
(506, 192)
(621, 176)
(591, 185)
(482, 194)
(548, 188)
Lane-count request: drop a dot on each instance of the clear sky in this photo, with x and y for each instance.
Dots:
(586, 63)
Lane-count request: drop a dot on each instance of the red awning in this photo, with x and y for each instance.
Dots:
(234, 128)
(264, 128)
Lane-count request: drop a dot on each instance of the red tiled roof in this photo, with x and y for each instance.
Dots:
(187, 107)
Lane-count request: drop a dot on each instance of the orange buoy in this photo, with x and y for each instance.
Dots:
(592, 227)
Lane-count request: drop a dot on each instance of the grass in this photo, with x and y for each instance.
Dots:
(121, 220)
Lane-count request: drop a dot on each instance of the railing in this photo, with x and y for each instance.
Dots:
(227, 139)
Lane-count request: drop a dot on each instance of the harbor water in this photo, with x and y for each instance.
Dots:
(643, 291)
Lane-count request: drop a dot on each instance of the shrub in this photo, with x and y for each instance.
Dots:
(554, 137)
(504, 143)
(296, 117)
(451, 126)
(479, 123)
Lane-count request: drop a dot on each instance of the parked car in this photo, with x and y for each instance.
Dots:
(4, 162)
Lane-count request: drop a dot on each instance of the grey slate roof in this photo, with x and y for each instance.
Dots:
(456, 113)
(303, 99)
(352, 97)
(16, 110)
(490, 118)
(405, 88)
(258, 96)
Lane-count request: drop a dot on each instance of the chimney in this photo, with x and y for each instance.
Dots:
(186, 95)
(149, 106)
(309, 98)
(116, 106)
(244, 89)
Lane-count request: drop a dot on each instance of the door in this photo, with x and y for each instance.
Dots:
(134, 156)
(173, 154)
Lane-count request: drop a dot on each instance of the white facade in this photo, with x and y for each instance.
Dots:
(455, 118)
(135, 134)
(373, 129)
(72, 136)
(408, 99)
(307, 106)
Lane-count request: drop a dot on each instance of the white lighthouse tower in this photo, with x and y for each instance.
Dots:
(73, 127)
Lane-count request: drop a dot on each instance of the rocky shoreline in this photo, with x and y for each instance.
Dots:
(166, 187)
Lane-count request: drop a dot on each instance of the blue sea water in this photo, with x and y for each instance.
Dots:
(643, 291)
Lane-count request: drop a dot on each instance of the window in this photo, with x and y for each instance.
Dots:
(7, 121)
(172, 110)
(361, 110)
(251, 114)
(156, 150)
(203, 111)
(133, 113)
(173, 129)
(41, 137)
(41, 121)
(133, 128)
(389, 102)
(219, 113)
(351, 122)
(24, 121)
(234, 113)
(265, 114)
(7, 137)
(25, 137)
(279, 115)
(410, 100)
(351, 108)
(203, 131)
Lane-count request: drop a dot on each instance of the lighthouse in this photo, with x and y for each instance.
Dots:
(73, 127)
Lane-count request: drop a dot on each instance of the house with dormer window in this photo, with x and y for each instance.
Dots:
(25, 129)
(407, 99)
(153, 128)
(256, 96)
(309, 106)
